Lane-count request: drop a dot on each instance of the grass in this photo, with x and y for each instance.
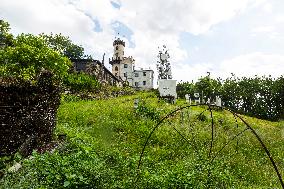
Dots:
(105, 139)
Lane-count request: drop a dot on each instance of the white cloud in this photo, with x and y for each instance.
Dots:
(179, 15)
(32, 16)
(263, 29)
(71, 18)
(270, 31)
(153, 24)
(249, 65)
(279, 18)
(185, 72)
(252, 64)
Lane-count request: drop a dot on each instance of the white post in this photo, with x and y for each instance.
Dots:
(187, 98)
(218, 101)
(136, 102)
(197, 101)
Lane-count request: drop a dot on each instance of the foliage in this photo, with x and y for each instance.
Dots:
(208, 87)
(100, 91)
(205, 86)
(28, 56)
(63, 45)
(69, 98)
(261, 97)
(105, 139)
(5, 37)
(185, 88)
(147, 111)
(81, 82)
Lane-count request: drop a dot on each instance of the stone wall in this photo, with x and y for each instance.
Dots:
(27, 115)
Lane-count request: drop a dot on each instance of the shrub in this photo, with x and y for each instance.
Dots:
(27, 57)
(81, 82)
(147, 111)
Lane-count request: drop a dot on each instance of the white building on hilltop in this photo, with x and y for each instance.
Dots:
(123, 68)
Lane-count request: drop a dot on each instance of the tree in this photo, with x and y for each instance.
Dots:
(230, 93)
(278, 90)
(28, 56)
(64, 46)
(6, 39)
(184, 88)
(210, 88)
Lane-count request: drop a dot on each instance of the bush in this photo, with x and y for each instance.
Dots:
(28, 56)
(30, 76)
(148, 112)
(81, 82)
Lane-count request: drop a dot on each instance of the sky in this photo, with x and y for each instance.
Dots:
(244, 37)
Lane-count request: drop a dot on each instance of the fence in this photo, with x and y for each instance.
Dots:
(218, 150)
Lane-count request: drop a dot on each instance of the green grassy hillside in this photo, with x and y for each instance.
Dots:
(105, 139)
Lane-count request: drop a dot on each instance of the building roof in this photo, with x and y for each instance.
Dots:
(118, 41)
(81, 66)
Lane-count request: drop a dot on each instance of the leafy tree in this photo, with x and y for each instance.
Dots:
(209, 87)
(230, 93)
(185, 88)
(278, 91)
(28, 56)
(261, 97)
(64, 46)
(6, 38)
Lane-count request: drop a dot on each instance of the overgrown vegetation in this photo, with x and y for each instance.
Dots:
(262, 97)
(27, 57)
(105, 136)
(81, 82)
(64, 46)
(24, 57)
(31, 75)
(105, 139)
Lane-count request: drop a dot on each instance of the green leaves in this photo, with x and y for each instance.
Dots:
(261, 97)
(63, 45)
(105, 139)
(66, 183)
(5, 37)
(147, 111)
(28, 56)
(81, 82)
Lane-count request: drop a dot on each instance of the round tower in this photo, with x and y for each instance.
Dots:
(122, 67)
(118, 52)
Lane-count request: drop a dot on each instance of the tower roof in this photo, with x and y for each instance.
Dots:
(118, 41)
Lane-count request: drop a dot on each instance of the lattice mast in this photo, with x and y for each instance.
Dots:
(163, 64)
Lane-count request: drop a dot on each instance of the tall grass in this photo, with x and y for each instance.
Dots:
(105, 139)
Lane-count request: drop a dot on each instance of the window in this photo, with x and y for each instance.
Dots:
(116, 74)
(116, 48)
(116, 68)
(125, 74)
(125, 66)
(144, 82)
(116, 55)
(144, 73)
(136, 75)
(136, 84)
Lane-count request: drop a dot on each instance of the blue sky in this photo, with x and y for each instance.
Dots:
(245, 37)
